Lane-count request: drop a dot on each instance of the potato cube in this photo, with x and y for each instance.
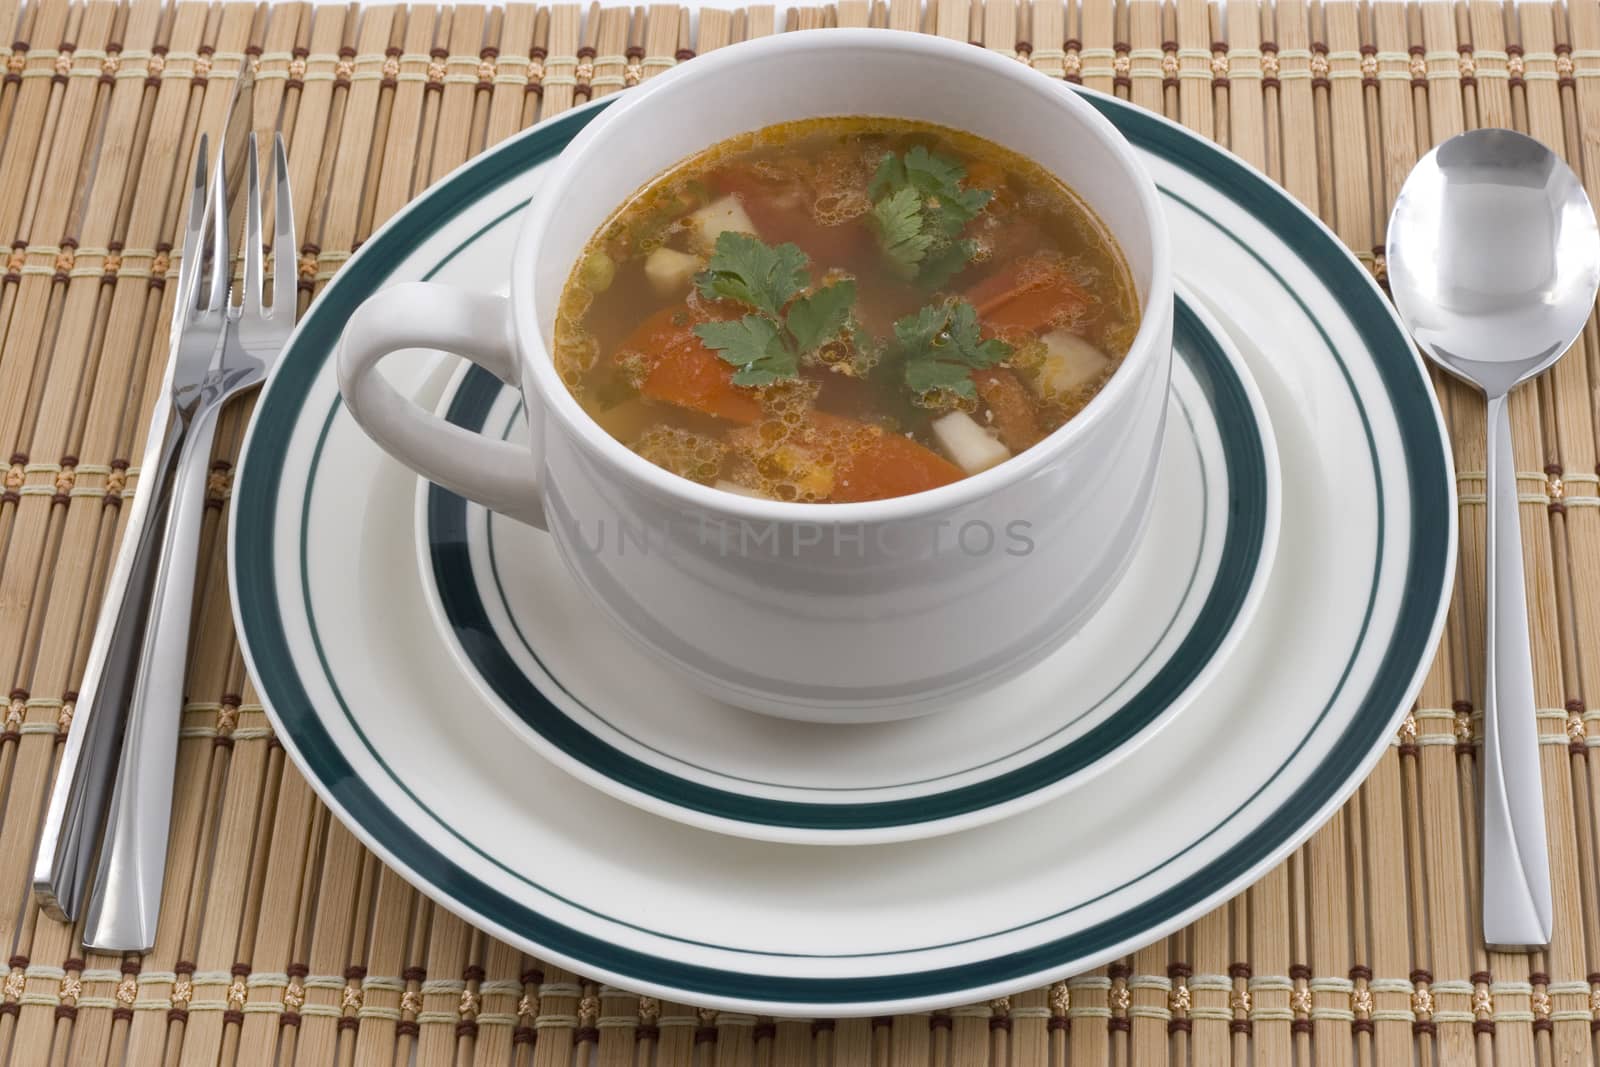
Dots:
(969, 446)
(708, 223)
(1069, 363)
(670, 271)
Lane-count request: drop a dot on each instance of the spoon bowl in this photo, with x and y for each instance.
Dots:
(1493, 257)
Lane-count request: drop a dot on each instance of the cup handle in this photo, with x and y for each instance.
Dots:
(496, 474)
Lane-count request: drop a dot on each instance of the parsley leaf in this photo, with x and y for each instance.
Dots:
(785, 322)
(754, 345)
(919, 210)
(916, 333)
(948, 261)
(822, 316)
(941, 346)
(932, 174)
(926, 376)
(954, 212)
(890, 176)
(898, 218)
(744, 269)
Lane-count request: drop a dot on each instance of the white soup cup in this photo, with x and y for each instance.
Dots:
(829, 612)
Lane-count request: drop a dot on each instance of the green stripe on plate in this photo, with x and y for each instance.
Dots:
(258, 612)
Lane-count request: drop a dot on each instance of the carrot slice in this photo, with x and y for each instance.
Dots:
(681, 370)
(1033, 310)
(1029, 295)
(1016, 418)
(875, 464)
(999, 287)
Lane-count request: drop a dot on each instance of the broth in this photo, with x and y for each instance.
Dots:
(844, 309)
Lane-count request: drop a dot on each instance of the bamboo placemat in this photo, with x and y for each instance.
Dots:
(282, 940)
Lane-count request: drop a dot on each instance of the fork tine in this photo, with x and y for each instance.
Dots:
(189, 265)
(284, 251)
(216, 295)
(254, 255)
(197, 206)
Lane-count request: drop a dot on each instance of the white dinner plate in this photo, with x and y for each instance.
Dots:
(588, 698)
(368, 700)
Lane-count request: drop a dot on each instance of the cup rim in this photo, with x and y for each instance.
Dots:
(555, 400)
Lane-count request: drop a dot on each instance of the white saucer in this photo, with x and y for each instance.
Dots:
(586, 697)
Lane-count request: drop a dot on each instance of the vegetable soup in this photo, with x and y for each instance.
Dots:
(844, 309)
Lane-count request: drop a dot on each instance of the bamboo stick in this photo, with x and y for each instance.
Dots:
(381, 101)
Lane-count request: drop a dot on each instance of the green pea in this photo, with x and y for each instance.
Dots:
(598, 272)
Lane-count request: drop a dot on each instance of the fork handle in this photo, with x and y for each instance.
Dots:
(126, 898)
(77, 804)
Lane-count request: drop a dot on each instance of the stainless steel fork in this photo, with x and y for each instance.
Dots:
(126, 899)
(77, 804)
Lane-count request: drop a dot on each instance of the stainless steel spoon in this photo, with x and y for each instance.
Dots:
(1494, 262)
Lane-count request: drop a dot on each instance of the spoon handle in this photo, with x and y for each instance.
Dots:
(1516, 864)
